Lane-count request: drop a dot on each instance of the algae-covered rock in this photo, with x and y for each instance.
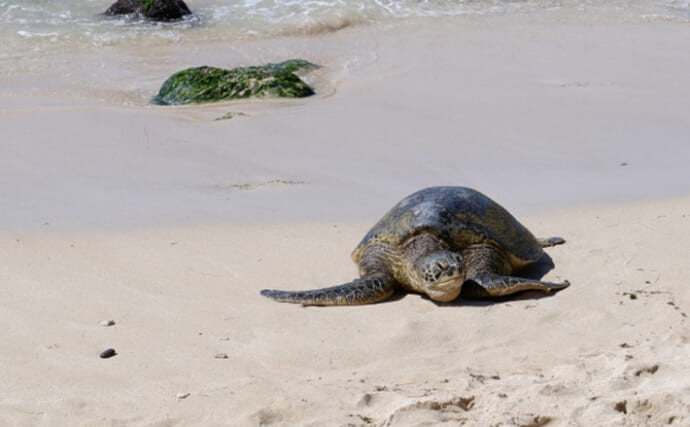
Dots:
(210, 84)
(156, 10)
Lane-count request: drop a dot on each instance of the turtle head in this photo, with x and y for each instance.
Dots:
(441, 275)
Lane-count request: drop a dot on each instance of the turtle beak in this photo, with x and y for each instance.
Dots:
(445, 291)
(446, 283)
(448, 287)
(448, 273)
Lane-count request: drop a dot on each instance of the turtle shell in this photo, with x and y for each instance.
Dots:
(458, 215)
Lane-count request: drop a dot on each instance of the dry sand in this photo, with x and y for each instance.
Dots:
(170, 223)
(614, 348)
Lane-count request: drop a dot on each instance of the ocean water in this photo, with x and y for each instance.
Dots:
(39, 25)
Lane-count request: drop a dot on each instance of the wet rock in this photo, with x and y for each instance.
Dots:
(156, 10)
(210, 84)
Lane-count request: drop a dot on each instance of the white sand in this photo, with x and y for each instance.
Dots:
(170, 223)
(176, 292)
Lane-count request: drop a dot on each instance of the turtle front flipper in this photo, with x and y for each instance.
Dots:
(494, 285)
(365, 290)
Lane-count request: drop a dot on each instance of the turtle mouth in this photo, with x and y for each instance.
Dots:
(447, 284)
(445, 291)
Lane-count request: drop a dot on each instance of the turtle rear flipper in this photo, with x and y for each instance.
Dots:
(366, 290)
(550, 241)
(487, 285)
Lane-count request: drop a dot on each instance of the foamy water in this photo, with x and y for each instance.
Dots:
(35, 25)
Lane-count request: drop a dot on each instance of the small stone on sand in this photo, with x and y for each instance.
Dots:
(108, 353)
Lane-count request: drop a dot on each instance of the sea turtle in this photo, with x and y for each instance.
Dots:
(433, 242)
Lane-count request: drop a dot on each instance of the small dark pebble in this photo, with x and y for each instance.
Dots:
(221, 356)
(107, 354)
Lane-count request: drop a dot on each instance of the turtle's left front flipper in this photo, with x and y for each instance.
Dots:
(495, 285)
(366, 290)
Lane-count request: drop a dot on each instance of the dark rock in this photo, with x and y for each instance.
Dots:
(156, 10)
(124, 7)
(210, 84)
(107, 354)
(166, 10)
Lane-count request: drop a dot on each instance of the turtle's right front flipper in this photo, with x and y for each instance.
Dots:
(366, 290)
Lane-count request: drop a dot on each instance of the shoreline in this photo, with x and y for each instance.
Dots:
(536, 116)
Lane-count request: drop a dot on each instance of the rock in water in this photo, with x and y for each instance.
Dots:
(210, 84)
(166, 10)
(124, 7)
(156, 10)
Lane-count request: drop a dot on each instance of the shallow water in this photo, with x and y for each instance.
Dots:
(39, 25)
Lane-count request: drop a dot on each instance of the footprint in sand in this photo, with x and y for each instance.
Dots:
(663, 409)
(454, 409)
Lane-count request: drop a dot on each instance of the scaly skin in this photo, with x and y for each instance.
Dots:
(365, 290)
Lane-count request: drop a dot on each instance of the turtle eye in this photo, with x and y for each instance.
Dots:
(443, 265)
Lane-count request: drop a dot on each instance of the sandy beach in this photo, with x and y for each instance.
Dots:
(612, 349)
(169, 222)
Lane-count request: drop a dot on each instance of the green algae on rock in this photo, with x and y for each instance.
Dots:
(146, 4)
(210, 84)
(229, 115)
